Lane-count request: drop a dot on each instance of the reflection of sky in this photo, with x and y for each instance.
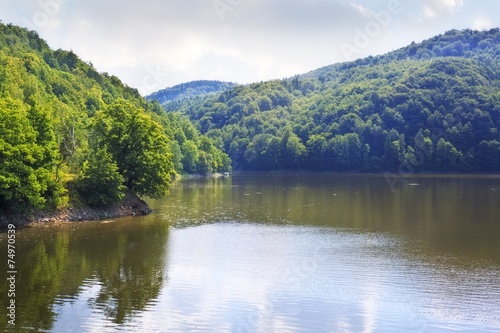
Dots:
(75, 315)
(249, 278)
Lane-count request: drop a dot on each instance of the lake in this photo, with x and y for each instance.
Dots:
(260, 252)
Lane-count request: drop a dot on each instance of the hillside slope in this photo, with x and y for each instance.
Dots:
(65, 128)
(432, 106)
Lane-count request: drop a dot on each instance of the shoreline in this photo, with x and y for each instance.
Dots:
(131, 205)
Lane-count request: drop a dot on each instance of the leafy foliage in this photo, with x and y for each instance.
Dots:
(432, 106)
(27, 156)
(138, 145)
(100, 182)
(193, 152)
(51, 105)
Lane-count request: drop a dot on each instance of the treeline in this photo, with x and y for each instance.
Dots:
(433, 106)
(189, 90)
(68, 132)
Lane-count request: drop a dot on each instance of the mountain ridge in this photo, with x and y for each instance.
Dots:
(197, 88)
(466, 44)
(369, 115)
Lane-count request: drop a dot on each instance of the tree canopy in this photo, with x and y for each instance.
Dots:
(27, 156)
(137, 144)
(432, 106)
(69, 133)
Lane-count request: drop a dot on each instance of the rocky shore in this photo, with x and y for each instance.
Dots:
(131, 205)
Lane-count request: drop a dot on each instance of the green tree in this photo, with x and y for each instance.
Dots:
(100, 183)
(348, 152)
(177, 156)
(265, 103)
(423, 152)
(272, 153)
(190, 156)
(488, 155)
(446, 156)
(138, 146)
(292, 149)
(316, 151)
(26, 159)
(394, 150)
(204, 164)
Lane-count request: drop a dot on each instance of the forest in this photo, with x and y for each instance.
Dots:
(432, 106)
(72, 136)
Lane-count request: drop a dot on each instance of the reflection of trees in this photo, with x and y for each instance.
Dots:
(126, 257)
(134, 277)
(198, 201)
(42, 268)
(51, 262)
(441, 211)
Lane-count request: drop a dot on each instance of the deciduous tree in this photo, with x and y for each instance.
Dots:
(138, 146)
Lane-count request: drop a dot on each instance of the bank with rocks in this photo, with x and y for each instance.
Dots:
(131, 205)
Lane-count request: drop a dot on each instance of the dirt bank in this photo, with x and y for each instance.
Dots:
(131, 205)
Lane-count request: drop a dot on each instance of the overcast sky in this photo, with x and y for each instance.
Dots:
(153, 44)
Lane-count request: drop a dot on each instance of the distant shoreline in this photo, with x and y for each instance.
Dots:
(132, 205)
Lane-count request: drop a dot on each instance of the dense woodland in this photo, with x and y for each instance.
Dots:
(432, 106)
(70, 135)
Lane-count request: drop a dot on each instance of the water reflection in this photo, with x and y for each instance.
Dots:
(433, 245)
(274, 253)
(457, 215)
(116, 269)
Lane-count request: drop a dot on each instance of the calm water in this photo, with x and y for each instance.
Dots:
(273, 253)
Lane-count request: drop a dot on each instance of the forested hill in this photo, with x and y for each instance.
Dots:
(432, 106)
(469, 44)
(189, 90)
(71, 134)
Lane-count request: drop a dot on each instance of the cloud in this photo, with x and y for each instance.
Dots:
(361, 9)
(174, 41)
(256, 40)
(483, 23)
(436, 8)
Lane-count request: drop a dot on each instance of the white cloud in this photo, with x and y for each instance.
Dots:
(257, 39)
(435, 8)
(361, 9)
(483, 23)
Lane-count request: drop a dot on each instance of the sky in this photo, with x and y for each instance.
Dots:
(154, 44)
